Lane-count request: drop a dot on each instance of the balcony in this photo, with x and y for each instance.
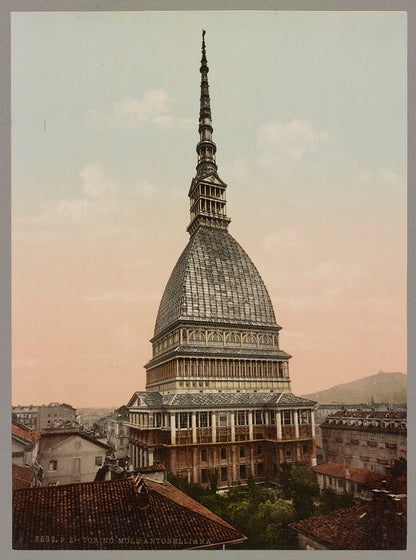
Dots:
(355, 441)
(372, 443)
(391, 445)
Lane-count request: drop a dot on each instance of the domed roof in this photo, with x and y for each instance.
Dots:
(215, 281)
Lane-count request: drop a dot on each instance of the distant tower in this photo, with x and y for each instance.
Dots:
(217, 375)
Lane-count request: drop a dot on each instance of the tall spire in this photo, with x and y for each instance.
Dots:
(206, 148)
(207, 192)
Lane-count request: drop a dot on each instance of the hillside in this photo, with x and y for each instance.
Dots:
(381, 388)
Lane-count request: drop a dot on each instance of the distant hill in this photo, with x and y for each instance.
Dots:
(380, 388)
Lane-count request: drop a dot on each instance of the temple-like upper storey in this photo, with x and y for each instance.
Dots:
(207, 192)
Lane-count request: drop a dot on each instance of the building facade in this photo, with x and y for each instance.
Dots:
(368, 440)
(344, 478)
(218, 394)
(70, 457)
(44, 417)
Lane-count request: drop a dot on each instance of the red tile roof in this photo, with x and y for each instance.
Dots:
(393, 485)
(115, 514)
(21, 477)
(377, 525)
(24, 432)
(151, 468)
(62, 434)
(346, 472)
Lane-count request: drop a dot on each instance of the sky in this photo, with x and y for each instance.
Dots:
(309, 116)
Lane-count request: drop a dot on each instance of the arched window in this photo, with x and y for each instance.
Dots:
(233, 338)
(197, 336)
(266, 340)
(250, 340)
(215, 337)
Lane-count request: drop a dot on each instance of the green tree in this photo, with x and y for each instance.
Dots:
(300, 484)
(331, 501)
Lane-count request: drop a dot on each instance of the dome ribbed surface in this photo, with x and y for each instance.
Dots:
(215, 281)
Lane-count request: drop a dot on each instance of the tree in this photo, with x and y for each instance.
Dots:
(300, 484)
(331, 501)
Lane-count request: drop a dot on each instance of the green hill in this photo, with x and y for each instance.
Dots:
(380, 388)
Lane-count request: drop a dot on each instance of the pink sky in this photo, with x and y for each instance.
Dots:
(316, 175)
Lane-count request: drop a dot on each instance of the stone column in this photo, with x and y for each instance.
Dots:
(131, 454)
(313, 423)
(253, 474)
(193, 416)
(296, 420)
(150, 457)
(214, 426)
(195, 452)
(172, 428)
(232, 424)
(266, 417)
(233, 464)
(250, 424)
(279, 425)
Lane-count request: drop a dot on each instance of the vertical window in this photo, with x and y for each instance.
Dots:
(98, 461)
(259, 450)
(183, 419)
(204, 455)
(223, 453)
(53, 465)
(260, 469)
(242, 471)
(204, 475)
(223, 474)
(242, 452)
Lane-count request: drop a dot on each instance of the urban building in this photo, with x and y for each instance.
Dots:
(44, 417)
(118, 433)
(367, 440)
(69, 457)
(27, 415)
(344, 478)
(22, 477)
(25, 445)
(322, 411)
(218, 390)
(126, 514)
(380, 524)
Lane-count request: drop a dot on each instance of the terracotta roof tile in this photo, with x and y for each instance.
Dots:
(24, 432)
(394, 484)
(346, 472)
(376, 525)
(21, 477)
(115, 515)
